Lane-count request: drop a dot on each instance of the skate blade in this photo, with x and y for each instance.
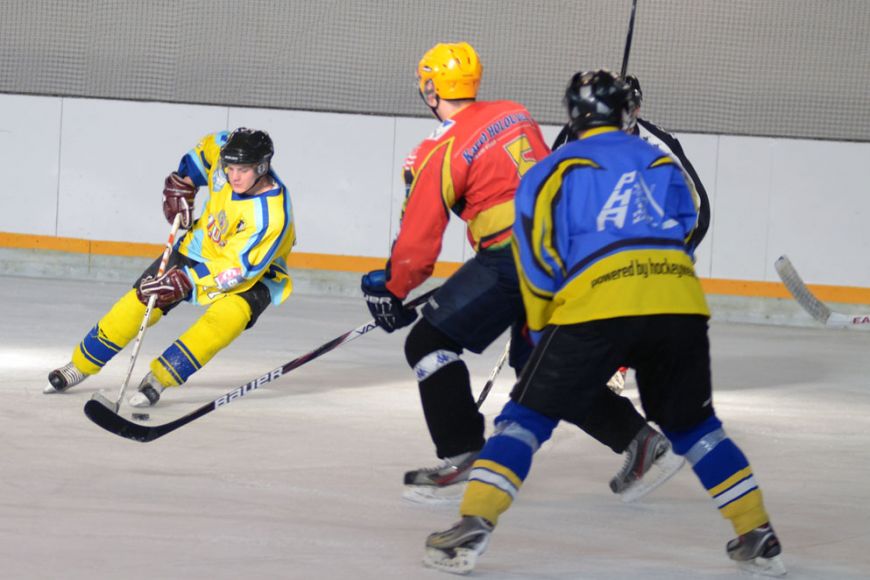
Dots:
(462, 561)
(433, 495)
(101, 399)
(50, 390)
(774, 567)
(662, 470)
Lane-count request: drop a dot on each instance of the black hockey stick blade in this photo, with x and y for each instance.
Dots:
(104, 416)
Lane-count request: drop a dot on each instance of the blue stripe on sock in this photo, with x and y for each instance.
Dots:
(509, 452)
(720, 464)
(177, 364)
(96, 349)
(183, 347)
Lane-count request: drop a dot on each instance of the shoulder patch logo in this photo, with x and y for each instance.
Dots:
(218, 179)
(442, 129)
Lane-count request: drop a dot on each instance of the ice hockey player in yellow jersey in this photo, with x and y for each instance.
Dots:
(232, 261)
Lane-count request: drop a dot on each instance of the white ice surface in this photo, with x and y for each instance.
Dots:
(302, 479)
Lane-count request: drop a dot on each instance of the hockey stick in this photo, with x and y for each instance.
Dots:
(176, 223)
(628, 39)
(496, 369)
(104, 416)
(810, 303)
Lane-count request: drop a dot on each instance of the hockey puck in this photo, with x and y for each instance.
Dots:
(141, 416)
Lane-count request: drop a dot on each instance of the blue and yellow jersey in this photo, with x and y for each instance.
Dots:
(239, 239)
(600, 232)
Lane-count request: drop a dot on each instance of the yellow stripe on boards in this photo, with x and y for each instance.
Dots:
(332, 262)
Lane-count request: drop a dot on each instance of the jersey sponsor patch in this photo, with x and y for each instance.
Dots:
(229, 279)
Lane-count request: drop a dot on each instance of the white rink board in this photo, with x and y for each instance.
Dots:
(29, 149)
(809, 199)
(115, 156)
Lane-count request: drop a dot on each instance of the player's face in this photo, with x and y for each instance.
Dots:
(241, 177)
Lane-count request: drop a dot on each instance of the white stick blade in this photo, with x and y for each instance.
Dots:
(101, 399)
(799, 290)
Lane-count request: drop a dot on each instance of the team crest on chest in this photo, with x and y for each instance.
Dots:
(217, 228)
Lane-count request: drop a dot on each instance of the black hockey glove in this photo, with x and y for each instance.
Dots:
(388, 310)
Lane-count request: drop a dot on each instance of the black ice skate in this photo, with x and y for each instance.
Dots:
(649, 449)
(758, 552)
(456, 550)
(442, 483)
(59, 380)
(149, 392)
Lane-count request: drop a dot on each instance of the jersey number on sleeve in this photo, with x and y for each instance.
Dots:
(520, 153)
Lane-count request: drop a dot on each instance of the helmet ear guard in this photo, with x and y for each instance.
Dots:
(454, 69)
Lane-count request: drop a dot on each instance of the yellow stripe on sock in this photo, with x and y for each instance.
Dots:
(499, 469)
(484, 500)
(740, 475)
(746, 513)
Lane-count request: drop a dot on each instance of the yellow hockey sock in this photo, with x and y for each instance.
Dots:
(112, 333)
(221, 324)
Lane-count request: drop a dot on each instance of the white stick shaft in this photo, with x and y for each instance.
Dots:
(167, 251)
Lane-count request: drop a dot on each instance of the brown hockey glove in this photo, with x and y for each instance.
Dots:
(173, 286)
(178, 198)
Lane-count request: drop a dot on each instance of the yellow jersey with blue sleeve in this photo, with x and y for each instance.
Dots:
(238, 240)
(600, 232)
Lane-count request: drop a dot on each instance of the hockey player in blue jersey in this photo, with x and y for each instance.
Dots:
(600, 242)
(667, 142)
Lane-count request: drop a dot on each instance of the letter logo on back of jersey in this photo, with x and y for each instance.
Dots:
(632, 193)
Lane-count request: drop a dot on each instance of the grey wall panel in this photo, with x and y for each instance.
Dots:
(790, 68)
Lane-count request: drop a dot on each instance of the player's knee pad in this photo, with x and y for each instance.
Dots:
(222, 323)
(428, 350)
(698, 441)
(112, 333)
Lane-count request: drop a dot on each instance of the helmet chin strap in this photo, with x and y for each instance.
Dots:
(431, 108)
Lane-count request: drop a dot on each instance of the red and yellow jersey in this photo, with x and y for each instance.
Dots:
(471, 165)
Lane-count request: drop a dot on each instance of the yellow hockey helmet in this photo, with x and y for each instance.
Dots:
(454, 70)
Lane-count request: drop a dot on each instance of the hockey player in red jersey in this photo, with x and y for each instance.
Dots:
(471, 166)
(613, 284)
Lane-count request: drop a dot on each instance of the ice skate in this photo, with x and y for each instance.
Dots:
(758, 552)
(649, 462)
(148, 394)
(456, 550)
(59, 380)
(443, 483)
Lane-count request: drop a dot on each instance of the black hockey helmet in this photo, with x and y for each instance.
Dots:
(598, 98)
(634, 85)
(248, 147)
